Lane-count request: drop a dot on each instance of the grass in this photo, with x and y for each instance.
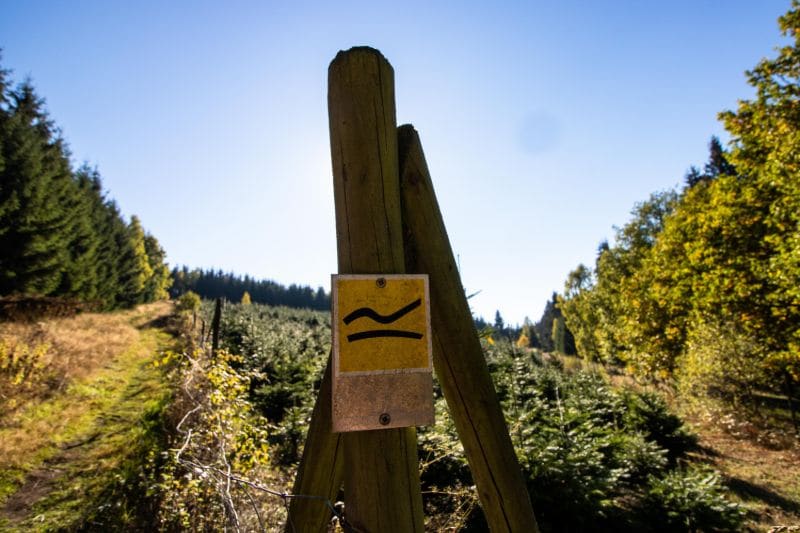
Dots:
(67, 453)
(761, 465)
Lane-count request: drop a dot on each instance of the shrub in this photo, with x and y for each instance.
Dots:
(648, 413)
(189, 301)
(691, 500)
(723, 361)
(593, 455)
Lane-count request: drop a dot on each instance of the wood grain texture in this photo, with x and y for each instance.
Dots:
(381, 475)
(457, 356)
(364, 155)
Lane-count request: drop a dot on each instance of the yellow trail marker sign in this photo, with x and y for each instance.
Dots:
(381, 352)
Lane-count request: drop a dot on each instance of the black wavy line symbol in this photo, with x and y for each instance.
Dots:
(368, 312)
(383, 333)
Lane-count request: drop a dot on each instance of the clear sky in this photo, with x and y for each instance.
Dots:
(543, 122)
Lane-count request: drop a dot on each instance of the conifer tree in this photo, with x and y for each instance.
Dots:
(58, 233)
(544, 327)
(160, 280)
(36, 181)
(102, 220)
(81, 278)
(132, 262)
(111, 252)
(527, 337)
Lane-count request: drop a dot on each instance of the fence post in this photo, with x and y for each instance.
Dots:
(457, 356)
(215, 327)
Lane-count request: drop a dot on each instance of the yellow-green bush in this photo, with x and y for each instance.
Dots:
(22, 367)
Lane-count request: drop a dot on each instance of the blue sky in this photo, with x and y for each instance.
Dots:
(543, 122)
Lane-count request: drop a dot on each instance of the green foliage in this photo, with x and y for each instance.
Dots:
(704, 285)
(213, 284)
(59, 236)
(558, 335)
(134, 267)
(35, 188)
(156, 285)
(527, 335)
(189, 301)
(765, 142)
(690, 500)
(590, 452)
(220, 433)
(647, 413)
(726, 361)
(551, 331)
(283, 350)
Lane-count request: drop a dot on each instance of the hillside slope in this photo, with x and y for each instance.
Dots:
(82, 402)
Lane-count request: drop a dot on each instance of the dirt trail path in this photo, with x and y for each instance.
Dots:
(763, 472)
(61, 451)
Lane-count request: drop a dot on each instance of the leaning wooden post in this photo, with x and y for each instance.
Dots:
(381, 472)
(457, 356)
(321, 468)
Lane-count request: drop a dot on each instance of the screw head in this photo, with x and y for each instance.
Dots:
(384, 419)
(380, 282)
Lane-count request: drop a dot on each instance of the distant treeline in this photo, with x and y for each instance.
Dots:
(59, 233)
(218, 284)
(550, 333)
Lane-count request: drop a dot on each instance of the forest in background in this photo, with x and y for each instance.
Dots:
(212, 284)
(702, 286)
(60, 234)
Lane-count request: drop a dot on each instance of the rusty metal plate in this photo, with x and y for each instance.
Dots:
(382, 370)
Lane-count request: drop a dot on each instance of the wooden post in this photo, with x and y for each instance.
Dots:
(457, 356)
(381, 472)
(215, 327)
(380, 468)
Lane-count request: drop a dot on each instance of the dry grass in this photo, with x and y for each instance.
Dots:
(79, 345)
(761, 466)
(96, 381)
(38, 360)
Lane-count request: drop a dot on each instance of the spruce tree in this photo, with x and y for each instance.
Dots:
(81, 277)
(134, 269)
(111, 229)
(160, 280)
(36, 181)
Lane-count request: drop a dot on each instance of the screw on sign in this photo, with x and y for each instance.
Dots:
(381, 352)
